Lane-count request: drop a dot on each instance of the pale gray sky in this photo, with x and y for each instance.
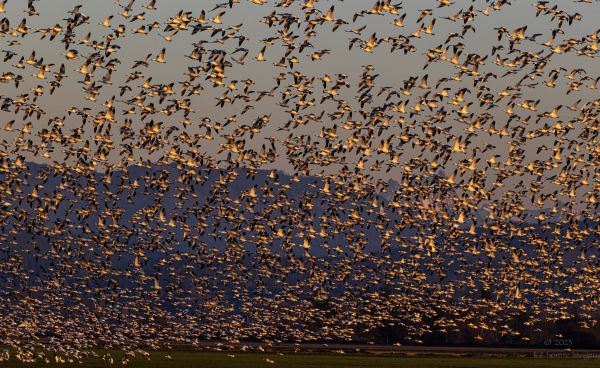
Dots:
(392, 68)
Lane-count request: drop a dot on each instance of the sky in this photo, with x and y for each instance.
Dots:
(391, 68)
(570, 173)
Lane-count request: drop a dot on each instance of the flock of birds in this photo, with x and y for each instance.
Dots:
(174, 241)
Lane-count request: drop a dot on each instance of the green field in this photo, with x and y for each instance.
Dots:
(185, 359)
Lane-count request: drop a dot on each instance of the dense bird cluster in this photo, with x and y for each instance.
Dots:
(122, 230)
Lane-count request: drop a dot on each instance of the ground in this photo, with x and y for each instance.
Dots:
(456, 357)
